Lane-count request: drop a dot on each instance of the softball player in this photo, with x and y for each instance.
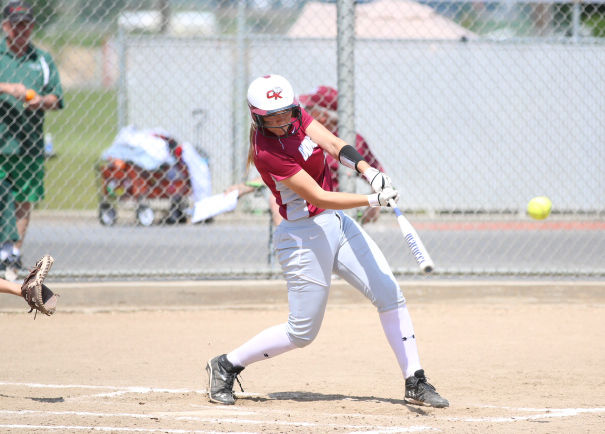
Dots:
(316, 239)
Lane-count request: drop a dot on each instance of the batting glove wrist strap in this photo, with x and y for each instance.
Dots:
(373, 200)
(383, 198)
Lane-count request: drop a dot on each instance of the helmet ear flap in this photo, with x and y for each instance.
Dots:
(297, 113)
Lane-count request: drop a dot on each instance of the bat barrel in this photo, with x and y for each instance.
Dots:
(427, 268)
(415, 244)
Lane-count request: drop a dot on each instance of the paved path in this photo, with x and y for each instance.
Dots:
(230, 247)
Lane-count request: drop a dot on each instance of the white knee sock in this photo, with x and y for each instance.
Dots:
(397, 326)
(270, 342)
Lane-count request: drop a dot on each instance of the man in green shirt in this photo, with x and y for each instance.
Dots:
(23, 68)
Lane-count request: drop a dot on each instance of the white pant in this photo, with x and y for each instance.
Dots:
(311, 250)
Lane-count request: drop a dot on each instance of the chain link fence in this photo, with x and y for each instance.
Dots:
(472, 108)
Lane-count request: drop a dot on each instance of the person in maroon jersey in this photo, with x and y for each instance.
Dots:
(322, 105)
(316, 239)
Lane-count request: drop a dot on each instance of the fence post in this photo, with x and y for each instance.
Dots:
(346, 84)
(575, 20)
(239, 95)
(122, 91)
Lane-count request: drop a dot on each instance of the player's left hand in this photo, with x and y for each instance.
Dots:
(386, 197)
(378, 180)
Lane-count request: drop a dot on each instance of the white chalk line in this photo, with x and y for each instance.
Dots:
(116, 390)
(135, 389)
(177, 431)
(216, 420)
(543, 412)
(396, 429)
(110, 429)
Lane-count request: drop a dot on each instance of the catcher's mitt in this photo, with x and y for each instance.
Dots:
(36, 293)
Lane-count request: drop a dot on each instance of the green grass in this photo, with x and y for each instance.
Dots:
(81, 132)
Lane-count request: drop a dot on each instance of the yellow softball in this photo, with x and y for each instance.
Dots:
(539, 207)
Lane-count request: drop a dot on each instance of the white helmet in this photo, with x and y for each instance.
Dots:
(271, 94)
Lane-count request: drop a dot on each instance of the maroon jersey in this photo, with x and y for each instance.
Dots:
(279, 157)
(363, 148)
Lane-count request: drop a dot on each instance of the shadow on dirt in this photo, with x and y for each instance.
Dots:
(50, 400)
(311, 397)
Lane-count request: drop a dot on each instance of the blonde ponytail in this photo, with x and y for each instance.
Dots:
(250, 160)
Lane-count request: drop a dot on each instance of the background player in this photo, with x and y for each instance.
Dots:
(316, 239)
(24, 67)
(322, 105)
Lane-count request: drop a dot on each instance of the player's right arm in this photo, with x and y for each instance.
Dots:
(17, 90)
(305, 186)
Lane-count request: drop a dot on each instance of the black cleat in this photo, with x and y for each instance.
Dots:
(221, 374)
(420, 392)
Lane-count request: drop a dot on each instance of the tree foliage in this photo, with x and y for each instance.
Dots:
(45, 11)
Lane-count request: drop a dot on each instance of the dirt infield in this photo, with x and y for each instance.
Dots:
(127, 357)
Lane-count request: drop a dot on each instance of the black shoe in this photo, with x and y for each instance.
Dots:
(420, 392)
(221, 374)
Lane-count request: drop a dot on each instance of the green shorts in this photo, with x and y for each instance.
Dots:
(26, 176)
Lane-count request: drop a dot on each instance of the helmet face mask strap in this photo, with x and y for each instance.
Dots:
(289, 128)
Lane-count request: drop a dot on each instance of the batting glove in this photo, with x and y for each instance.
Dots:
(378, 180)
(383, 198)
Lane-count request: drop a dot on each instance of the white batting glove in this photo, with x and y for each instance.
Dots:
(383, 198)
(378, 180)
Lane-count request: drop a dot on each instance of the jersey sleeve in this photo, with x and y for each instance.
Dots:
(53, 87)
(277, 165)
(306, 118)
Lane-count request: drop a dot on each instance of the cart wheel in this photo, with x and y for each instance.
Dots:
(176, 213)
(107, 214)
(145, 215)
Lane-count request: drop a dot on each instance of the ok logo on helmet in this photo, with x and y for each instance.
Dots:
(275, 93)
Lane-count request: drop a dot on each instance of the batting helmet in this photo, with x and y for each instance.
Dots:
(269, 95)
